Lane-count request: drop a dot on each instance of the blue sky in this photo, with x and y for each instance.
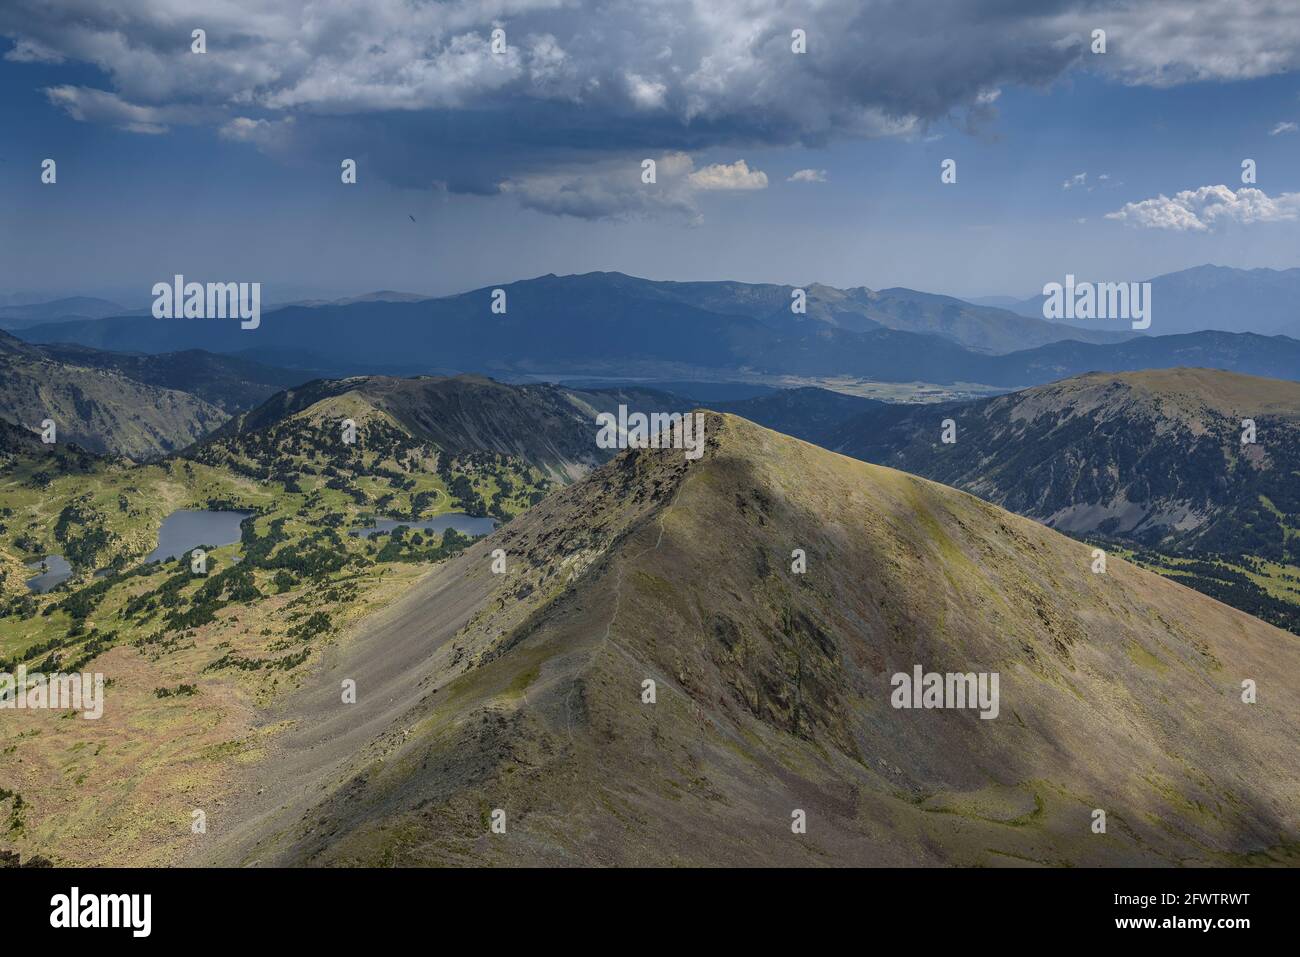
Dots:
(228, 167)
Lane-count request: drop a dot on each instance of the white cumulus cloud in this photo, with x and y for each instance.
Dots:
(1201, 210)
(735, 175)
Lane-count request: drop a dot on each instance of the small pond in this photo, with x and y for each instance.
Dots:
(186, 529)
(465, 524)
(56, 572)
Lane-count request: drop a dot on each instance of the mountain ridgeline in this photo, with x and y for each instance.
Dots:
(136, 405)
(1215, 297)
(548, 427)
(72, 309)
(97, 407)
(1154, 457)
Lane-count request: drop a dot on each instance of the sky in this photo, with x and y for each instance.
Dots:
(478, 165)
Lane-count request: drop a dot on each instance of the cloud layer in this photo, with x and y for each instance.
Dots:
(426, 89)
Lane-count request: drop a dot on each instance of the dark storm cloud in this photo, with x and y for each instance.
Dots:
(419, 89)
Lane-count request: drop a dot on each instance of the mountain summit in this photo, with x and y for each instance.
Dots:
(651, 680)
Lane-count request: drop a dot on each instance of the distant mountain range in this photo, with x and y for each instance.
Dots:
(1265, 301)
(977, 328)
(613, 325)
(71, 309)
(23, 315)
(156, 390)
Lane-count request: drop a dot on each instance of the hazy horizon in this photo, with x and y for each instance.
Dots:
(283, 295)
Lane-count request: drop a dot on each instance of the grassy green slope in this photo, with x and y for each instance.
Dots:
(190, 658)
